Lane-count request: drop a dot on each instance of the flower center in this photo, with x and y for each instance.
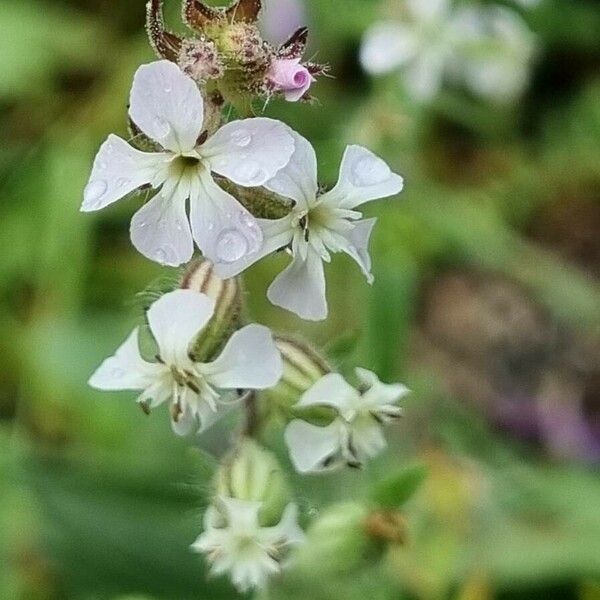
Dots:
(184, 164)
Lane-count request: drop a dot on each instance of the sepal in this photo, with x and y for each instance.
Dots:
(253, 474)
(166, 45)
(227, 294)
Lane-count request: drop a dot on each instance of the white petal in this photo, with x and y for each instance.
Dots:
(310, 446)
(249, 152)
(276, 235)
(287, 529)
(363, 177)
(167, 106)
(358, 245)
(186, 422)
(175, 320)
(331, 390)
(223, 229)
(367, 438)
(160, 229)
(428, 10)
(298, 179)
(241, 514)
(424, 76)
(120, 169)
(126, 370)
(300, 288)
(386, 46)
(250, 360)
(197, 415)
(379, 393)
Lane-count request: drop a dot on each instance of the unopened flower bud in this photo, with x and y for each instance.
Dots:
(288, 76)
(227, 294)
(253, 474)
(199, 59)
(337, 541)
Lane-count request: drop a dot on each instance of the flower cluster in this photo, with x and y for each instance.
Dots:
(487, 48)
(206, 184)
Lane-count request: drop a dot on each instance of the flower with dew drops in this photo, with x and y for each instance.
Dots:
(319, 224)
(198, 392)
(488, 48)
(234, 542)
(167, 106)
(355, 434)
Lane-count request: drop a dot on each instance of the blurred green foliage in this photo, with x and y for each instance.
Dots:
(98, 501)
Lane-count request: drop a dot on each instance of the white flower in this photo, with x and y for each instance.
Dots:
(234, 542)
(319, 224)
(488, 48)
(355, 434)
(167, 106)
(197, 391)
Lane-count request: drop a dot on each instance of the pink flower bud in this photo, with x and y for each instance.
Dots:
(287, 75)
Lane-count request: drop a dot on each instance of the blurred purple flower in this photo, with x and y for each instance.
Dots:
(281, 18)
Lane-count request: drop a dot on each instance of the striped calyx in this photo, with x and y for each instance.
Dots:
(227, 294)
(253, 474)
(303, 366)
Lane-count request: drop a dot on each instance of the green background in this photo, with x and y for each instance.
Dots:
(486, 303)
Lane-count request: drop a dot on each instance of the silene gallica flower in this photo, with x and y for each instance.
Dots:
(234, 541)
(487, 48)
(167, 106)
(355, 434)
(319, 224)
(198, 392)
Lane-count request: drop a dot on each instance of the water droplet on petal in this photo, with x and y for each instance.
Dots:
(117, 373)
(231, 246)
(241, 138)
(253, 231)
(370, 171)
(94, 192)
(161, 127)
(161, 256)
(211, 226)
(122, 182)
(168, 90)
(250, 172)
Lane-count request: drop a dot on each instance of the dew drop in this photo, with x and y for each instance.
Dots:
(253, 231)
(168, 90)
(241, 138)
(370, 171)
(231, 246)
(161, 256)
(211, 226)
(161, 127)
(122, 182)
(250, 172)
(94, 192)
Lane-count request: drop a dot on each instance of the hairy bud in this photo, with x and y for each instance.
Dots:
(253, 474)
(227, 294)
(199, 60)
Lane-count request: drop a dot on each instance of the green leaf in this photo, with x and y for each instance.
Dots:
(399, 489)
